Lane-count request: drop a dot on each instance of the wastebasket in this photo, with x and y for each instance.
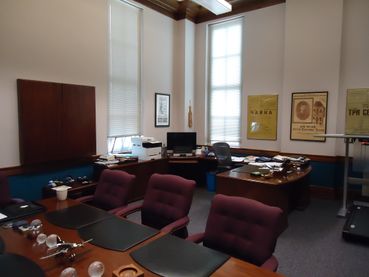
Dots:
(211, 180)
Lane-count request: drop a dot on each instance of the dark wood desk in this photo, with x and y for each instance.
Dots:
(17, 243)
(290, 192)
(194, 167)
(141, 169)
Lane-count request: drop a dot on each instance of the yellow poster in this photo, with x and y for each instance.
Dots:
(308, 115)
(262, 111)
(357, 111)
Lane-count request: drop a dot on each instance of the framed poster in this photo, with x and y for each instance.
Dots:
(308, 115)
(357, 112)
(262, 114)
(162, 110)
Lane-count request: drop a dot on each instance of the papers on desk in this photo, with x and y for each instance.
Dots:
(236, 159)
(275, 166)
(107, 162)
(246, 159)
(283, 158)
(2, 216)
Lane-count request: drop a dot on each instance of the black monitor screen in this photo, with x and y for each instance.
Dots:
(181, 142)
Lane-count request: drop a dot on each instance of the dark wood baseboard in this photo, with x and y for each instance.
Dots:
(323, 193)
(336, 194)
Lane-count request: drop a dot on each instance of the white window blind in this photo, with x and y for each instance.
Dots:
(125, 70)
(225, 82)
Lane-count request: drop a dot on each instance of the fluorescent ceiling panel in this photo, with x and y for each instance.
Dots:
(215, 6)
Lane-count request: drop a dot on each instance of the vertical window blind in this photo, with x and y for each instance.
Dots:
(125, 73)
(225, 81)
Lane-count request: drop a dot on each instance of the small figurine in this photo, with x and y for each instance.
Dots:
(64, 249)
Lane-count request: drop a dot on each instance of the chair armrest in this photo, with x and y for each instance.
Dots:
(85, 198)
(178, 224)
(196, 238)
(117, 210)
(123, 212)
(270, 264)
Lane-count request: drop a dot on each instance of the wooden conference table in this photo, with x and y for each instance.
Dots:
(17, 243)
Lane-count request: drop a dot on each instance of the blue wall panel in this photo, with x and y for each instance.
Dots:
(29, 187)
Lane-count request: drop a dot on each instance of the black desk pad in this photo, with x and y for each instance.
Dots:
(170, 256)
(18, 266)
(19, 210)
(116, 234)
(76, 216)
(2, 246)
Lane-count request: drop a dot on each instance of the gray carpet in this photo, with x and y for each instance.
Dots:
(311, 246)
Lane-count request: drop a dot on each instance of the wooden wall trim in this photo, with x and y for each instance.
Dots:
(330, 193)
(239, 8)
(197, 14)
(160, 7)
(323, 193)
(19, 170)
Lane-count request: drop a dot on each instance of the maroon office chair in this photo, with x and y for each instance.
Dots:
(243, 228)
(111, 192)
(5, 198)
(166, 204)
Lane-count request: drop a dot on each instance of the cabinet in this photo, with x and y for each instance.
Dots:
(56, 121)
(77, 190)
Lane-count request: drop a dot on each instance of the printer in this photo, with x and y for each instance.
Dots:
(146, 148)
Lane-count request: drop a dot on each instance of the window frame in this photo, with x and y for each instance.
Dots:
(209, 88)
(122, 138)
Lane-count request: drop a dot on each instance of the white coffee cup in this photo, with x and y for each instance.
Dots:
(61, 192)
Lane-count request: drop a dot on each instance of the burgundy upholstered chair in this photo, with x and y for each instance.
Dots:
(111, 192)
(166, 204)
(243, 228)
(5, 198)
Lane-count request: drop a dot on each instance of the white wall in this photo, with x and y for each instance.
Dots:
(200, 97)
(67, 41)
(263, 67)
(189, 72)
(159, 38)
(179, 74)
(354, 57)
(60, 41)
(263, 64)
(296, 46)
(312, 63)
(302, 45)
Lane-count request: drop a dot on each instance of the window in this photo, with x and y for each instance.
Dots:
(225, 82)
(125, 75)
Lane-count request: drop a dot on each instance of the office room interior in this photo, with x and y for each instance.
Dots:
(288, 46)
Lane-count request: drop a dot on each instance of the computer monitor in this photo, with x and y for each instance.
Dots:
(181, 142)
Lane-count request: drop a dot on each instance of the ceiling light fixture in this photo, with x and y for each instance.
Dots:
(215, 6)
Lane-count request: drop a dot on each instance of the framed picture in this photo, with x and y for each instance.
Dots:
(308, 115)
(262, 113)
(357, 111)
(162, 110)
